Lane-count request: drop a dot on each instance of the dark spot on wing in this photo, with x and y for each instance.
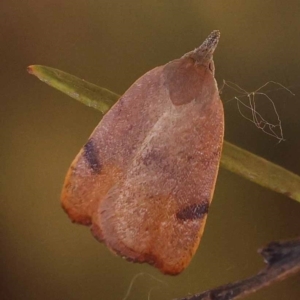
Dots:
(92, 157)
(152, 156)
(193, 211)
(190, 157)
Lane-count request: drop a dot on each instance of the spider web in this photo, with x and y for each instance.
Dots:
(247, 106)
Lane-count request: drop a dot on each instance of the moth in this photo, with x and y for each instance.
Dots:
(144, 180)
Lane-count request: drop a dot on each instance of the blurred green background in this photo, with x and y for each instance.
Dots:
(111, 43)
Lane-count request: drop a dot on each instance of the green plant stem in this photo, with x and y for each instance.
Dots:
(234, 159)
(260, 171)
(79, 89)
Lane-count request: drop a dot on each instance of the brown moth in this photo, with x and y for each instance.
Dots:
(145, 179)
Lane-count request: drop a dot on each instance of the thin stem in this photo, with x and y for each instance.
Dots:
(283, 259)
(260, 171)
(234, 159)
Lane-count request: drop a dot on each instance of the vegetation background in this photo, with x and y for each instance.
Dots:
(111, 43)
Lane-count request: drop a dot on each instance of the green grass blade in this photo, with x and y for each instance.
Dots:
(260, 171)
(79, 89)
(234, 159)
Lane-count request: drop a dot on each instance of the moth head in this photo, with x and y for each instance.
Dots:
(188, 78)
(203, 55)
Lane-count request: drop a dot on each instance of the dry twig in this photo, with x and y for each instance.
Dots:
(283, 259)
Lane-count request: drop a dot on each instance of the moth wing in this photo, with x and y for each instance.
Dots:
(146, 177)
(157, 212)
(105, 157)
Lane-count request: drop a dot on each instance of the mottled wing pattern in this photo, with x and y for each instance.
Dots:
(104, 159)
(146, 177)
